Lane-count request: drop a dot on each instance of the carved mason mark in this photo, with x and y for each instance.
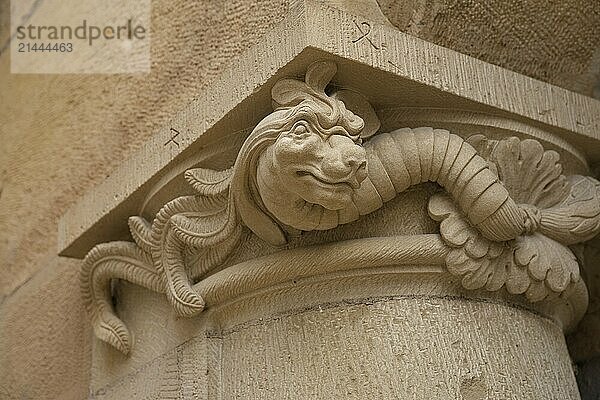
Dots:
(174, 133)
(365, 30)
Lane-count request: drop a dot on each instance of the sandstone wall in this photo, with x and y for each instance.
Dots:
(553, 41)
(62, 134)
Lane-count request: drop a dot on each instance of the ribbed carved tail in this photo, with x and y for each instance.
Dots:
(413, 156)
(114, 260)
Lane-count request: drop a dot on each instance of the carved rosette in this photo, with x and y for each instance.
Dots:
(507, 213)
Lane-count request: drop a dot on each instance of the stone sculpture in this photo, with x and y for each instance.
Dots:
(318, 161)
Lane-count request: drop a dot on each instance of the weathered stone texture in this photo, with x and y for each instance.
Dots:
(443, 348)
(557, 42)
(61, 135)
(421, 347)
(44, 342)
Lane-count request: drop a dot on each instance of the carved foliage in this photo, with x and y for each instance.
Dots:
(533, 264)
(189, 236)
(537, 263)
(530, 174)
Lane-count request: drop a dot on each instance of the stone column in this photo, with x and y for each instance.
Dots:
(397, 223)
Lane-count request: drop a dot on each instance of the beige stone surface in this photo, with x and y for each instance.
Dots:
(313, 164)
(401, 71)
(327, 337)
(432, 348)
(44, 340)
(93, 121)
(557, 42)
(62, 135)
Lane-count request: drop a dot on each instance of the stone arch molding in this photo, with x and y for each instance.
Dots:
(507, 214)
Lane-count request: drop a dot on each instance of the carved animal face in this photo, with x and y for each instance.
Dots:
(319, 168)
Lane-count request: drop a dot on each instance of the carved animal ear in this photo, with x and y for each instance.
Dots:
(209, 182)
(290, 92)
(319, 74)
(360, 106)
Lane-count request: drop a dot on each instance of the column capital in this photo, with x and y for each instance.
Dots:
(507, 212)
(359, 165)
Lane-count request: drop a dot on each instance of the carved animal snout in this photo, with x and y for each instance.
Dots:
(345, 161)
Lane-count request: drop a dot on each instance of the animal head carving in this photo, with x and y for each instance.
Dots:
(312, 155)
(317, 167)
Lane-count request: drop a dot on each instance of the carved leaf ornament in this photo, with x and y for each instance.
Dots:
(317, 162)
(559, 211)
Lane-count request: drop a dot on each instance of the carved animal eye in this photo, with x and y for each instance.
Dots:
(300, 130)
